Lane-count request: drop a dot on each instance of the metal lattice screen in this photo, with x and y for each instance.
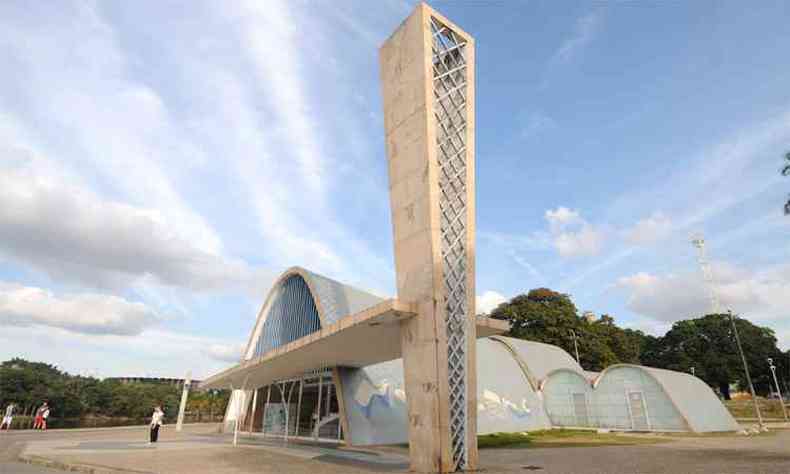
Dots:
(449, 107)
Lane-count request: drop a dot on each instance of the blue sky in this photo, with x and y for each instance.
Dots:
(162, 162)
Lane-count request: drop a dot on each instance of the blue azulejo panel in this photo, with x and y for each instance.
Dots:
(375, 403)
(505, 400)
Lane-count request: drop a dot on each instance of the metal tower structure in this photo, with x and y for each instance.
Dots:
(698, 241)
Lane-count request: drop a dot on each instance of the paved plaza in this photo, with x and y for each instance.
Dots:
(200, 449)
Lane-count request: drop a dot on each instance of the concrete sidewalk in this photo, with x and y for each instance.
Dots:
(203, 450)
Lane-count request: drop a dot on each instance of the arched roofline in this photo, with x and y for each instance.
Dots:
(533, 382)
(261, 318)
(564, 369)
(649, 372)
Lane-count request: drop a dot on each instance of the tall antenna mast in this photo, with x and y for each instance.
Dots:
(698, 241)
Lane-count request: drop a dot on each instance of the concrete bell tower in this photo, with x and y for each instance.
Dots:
(427, 73)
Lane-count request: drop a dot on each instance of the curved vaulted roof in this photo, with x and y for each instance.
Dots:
(537, 359)
(301, 302)
(692, 398)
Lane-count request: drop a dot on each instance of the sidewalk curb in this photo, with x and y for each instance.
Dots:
(75, 467)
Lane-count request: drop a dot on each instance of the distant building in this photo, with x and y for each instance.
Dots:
(589, 316)
(157, 380)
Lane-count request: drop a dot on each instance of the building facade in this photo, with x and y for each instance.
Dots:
(521, 385)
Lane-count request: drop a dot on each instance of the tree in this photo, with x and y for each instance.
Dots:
(625, 344)
(547, 316)
(708, 345)
(786, 172)
(29, 383)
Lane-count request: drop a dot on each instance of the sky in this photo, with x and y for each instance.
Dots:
(161, 163)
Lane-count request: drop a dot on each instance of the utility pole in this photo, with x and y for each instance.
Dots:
(576, 346)
(746, 370)
(778, 390)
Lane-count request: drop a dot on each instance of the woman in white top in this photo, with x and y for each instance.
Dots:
(9, 416)
(156, 421)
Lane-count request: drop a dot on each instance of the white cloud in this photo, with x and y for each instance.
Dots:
(230, 353)
(75, 235)
(271, 35)
(651, 229)
(587, 241)
(265, 127)
(488, 301)
(109, 126)
(153, 352)
(572, 236)
(647, 325)
(86, 313)
(761, 296)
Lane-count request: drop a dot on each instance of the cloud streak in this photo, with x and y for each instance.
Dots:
(584, 32)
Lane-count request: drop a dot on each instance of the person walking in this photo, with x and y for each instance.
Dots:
(44, 416)
(9, 416)
(41, 417)
(157, 419)
(39, 422)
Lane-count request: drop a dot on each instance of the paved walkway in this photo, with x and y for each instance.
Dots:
(201, 450)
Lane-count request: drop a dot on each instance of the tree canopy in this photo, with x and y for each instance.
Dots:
(28, 384)
(544, 315)
(708, 345)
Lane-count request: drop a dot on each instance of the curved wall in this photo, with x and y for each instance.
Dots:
(291, 313)
(375, 400)
(617, 401)
(703, 410)
(336, 299)
(375, 403)
(567, 396)
(506, 401)
(299, 303)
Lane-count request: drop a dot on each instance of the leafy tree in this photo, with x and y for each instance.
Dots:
(547, 316)
(28, 384)
(708, 345)
(626, 344)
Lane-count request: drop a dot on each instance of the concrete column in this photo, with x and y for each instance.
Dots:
(183, 406)
(419, 227)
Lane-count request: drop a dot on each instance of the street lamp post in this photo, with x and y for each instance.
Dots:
(778, 391)
(576, 346)
(746, 369)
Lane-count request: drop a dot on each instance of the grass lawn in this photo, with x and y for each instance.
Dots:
(564, 438)
(745, 408)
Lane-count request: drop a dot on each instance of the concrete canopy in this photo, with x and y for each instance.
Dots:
(358, 340)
